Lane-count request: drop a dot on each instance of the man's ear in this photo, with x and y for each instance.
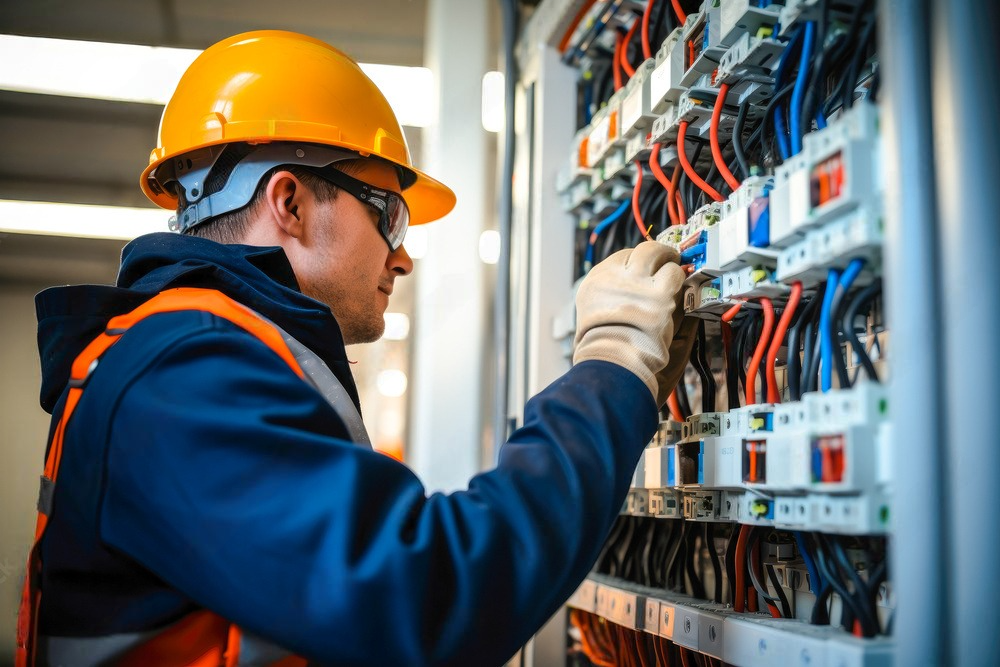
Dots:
(283, 200)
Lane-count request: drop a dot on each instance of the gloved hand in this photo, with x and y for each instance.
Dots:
(628, 309)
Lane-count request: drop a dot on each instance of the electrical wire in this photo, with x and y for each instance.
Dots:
(716, 563)
(741, 157)
(826, 330)
(836, 313)
(796, 125)
(626, 65)
(600, 227)
(793, 363)
(847, 327)
(827, 568)
(758, 355)
(697, 588)
(672, 196)
(772, 575)
(784, 148)
(753, 565)
(646, 53)
(699, 359)
(689, 169)
(681, 16)
(636, 194)
(713, 135)
(773, 396)
(815, 581)
(739, 603)
(616, 66)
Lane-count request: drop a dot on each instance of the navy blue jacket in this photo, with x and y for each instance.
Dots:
(200, 472)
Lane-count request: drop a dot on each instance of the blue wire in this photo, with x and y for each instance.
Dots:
(814, 578)
(795, 113)
(779, 75)
(601, 226)
(820, 119)
(826, 339)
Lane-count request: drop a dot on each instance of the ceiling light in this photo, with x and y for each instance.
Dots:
(489, 246)
(493, 102)
(397, 326)
(391, 383)
(149, 74)
(104, 222)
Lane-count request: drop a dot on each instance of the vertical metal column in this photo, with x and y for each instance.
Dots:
(914, 312)
(449, 313)
(966, 99)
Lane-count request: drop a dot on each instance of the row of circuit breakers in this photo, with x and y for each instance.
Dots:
(746, 135)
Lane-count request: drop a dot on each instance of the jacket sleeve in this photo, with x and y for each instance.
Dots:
(225, 479)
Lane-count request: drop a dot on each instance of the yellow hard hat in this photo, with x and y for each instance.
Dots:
(273, 86)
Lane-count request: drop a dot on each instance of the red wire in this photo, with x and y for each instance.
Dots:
(684, 657)
(675, 406)
(654, 166)
(564, 42)
(739, 603)
(615, 65)
(681, 16)
(779, 335)
(713, 135)
(758, 354)
(682, 216)
(730, 314)
(646, 51)
(636, 213)
(688, 169)
(626, 65)
(673, 196)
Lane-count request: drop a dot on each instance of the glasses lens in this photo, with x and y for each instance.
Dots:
(397, 217)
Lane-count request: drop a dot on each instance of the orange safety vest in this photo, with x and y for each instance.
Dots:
(200, 639)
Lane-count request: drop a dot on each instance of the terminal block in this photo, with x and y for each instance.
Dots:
(636, 107)
(744, 229)
(665, 80)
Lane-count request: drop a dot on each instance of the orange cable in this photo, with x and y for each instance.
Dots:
(675, 406)
(739, 603)
(654, 166)
(773, 396)
(646, 51)
(626, 65)
(681, 213)
(730, 314)
(684, 657)
(713, 135)
(636, 213)
(673, 195)
(758, 353)
(564, 42)
(681, 16)
(689, 169)
(615, 64)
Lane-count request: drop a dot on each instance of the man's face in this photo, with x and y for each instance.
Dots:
(346, 264)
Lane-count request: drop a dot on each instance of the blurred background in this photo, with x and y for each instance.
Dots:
(80, 100)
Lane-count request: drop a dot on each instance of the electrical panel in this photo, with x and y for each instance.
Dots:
(746, 135)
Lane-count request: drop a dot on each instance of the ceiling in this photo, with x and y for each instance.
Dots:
(88, 151)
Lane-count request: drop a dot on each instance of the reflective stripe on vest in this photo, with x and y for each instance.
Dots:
(200, 639)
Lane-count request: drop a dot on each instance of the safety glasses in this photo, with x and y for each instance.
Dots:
(394, 215)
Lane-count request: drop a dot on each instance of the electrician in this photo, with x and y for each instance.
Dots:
(210, 496)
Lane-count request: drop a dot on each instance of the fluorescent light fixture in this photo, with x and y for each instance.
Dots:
(149, 74)
(391, 383)
(397, 326)
(493, 102)
(416, 242)
(99, 222)
(489, 246)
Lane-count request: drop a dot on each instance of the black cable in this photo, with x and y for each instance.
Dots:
(786, 609)
(693, 556)
(714, 556)
(606, 556)
(682, 398)
(830, 573)
(645, 560)
(699, 359)
(864, 612)
(754, 554)
(730, 563)
(741, 157)
(811, 346)
(860, 55)
(675, 547)
(847, 327)
(762, 132)
(793, 362)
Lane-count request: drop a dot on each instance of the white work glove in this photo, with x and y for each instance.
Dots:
(628, 309)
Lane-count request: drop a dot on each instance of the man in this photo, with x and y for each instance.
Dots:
(216, 500)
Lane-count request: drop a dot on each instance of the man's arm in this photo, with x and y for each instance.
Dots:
(225, 479)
